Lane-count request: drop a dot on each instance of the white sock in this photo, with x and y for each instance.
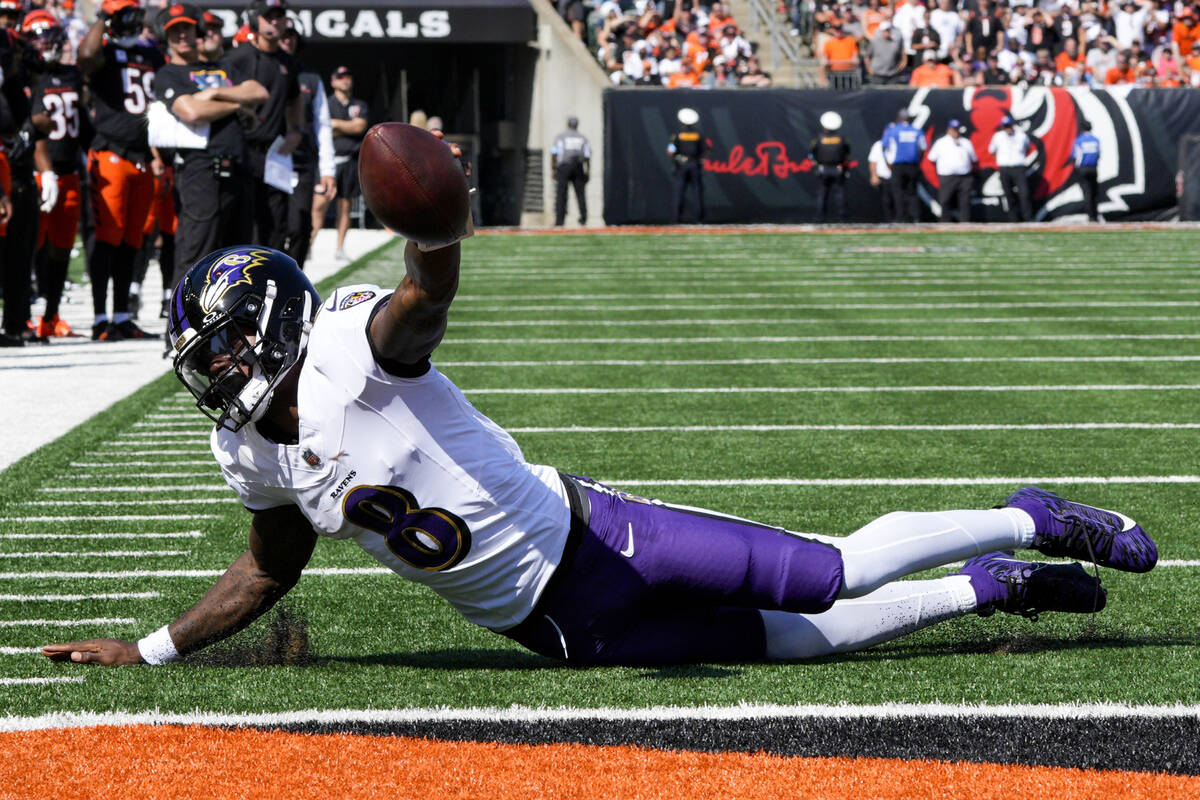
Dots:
(893, 610)
(905, 542)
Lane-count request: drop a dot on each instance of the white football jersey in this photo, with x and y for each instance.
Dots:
(410, 470)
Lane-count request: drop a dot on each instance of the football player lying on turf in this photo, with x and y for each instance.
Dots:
(336, 424)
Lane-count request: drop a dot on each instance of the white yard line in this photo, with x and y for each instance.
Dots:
(1099, 387)
(1048, 426)
(37, 681)
(189, 501)
(525, 714)
(113, 518)
(181, 535)
(660, 340)
(67, 623)
(100, 554)
(196, 487)
(180, 573)
(987, 481)
(77, 598)
(737, 362)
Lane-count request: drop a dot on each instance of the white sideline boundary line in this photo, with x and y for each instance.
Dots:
(522, 714)
(192, 501)
(37, 681)
(202, 487)
(158, 535)
(101, 554)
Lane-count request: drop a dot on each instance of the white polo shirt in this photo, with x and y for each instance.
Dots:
(1009, 148)
(953, 156)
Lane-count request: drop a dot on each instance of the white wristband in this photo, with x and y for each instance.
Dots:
(157, 648)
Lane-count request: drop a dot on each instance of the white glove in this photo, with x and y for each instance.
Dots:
(49, 191)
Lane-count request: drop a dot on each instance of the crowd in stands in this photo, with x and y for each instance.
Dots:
(672, 43)
(989, 42)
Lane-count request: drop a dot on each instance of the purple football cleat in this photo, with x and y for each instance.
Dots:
(1007, 584)
(1063, 528)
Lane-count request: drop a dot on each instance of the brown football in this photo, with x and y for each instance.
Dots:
(413, 184)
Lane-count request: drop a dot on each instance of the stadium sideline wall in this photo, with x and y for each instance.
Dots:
(758, 170)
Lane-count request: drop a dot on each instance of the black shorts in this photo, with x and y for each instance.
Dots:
(347, 179)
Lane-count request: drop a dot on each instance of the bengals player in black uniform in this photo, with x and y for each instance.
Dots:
(119, 70)
(56, 103)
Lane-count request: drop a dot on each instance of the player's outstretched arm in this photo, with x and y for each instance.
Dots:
(414, 320)
(281, 543)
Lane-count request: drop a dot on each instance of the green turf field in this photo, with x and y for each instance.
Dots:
(814, 381)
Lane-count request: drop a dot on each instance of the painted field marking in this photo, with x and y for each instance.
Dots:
(112, 518)
(19, 651)
(67, 623)
(164, 463)
(525, 714)
(988, 481)
(704, 362)
(101, 554)
(659, 340)
(36, 681)
(1100, 387)
(180, 535)
(120, 475)
(198, 487)
(107, 503)
(780, 321)
(181, 573)
(77, 598)
(182, 436)
(1049, 426)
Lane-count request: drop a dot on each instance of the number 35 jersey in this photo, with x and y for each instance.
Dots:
(121, 93)
(409, 469)
(58, 93)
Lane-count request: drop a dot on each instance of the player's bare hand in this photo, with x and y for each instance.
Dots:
(5, 209)
(457, 152)
(106, 652)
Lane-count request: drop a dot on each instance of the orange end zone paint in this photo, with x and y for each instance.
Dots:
(201, 762)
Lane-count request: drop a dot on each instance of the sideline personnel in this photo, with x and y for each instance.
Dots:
(687, 149)
(570, 158)
(281, 115)
(831, 152)
(212, 181)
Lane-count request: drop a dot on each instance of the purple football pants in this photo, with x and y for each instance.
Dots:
(643, 582)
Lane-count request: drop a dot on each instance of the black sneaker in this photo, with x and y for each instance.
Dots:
(8, 340)
(1028, 587)
(129, 330)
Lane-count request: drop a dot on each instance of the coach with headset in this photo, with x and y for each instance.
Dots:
(282, 115)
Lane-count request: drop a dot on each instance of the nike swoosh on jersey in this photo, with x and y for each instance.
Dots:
(628, 551)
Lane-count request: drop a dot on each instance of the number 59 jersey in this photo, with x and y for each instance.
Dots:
(409, 469)
(121, 93)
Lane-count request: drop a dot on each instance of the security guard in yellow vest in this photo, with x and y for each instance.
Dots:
(687, 149)
(831, 152)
